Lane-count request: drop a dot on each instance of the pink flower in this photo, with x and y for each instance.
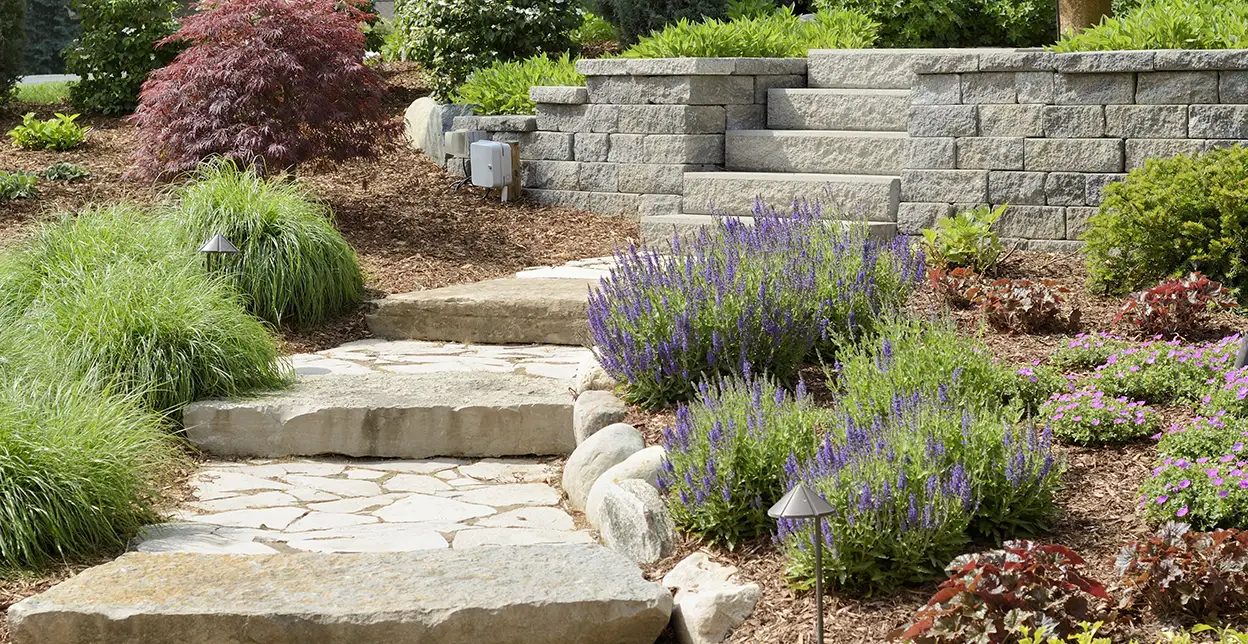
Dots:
(1182, 512)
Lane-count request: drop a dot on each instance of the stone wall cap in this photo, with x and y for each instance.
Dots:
(559, 94)
(656, 66)
(1200, 59)
(1104, 62)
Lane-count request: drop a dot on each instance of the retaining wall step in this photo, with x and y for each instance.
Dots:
(500, 311)
(469, 414)
(659, 230)
(555, 594)
(817, 151)
(869, 68)
(871, 197)
(838, 109)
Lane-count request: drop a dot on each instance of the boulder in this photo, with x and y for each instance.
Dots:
(550, 593)
(600, 452)
(709, 603)
(590, 376)
(416, 121)
(643, 465)
(593, 411)
(636, 523)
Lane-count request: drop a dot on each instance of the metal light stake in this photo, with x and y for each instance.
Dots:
(218, 245)
(1243, 352)
(803, 503)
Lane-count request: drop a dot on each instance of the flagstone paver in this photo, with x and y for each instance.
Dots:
(412, 356)
(345, 505)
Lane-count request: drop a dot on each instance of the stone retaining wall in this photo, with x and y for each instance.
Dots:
(622, 144)
(1046, 132)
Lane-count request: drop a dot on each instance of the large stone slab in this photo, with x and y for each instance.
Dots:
(500, 311)
(838, 109)
(816, 151)
(871, 197)
(554, 594)
(393, 416)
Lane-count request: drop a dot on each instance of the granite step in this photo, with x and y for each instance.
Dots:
(554, 594)
(838, 109)
(870, 197)
(658, 230)
(816, 151)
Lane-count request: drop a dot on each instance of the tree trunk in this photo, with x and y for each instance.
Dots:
(1078, 15)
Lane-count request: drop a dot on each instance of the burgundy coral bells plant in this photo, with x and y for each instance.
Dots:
(271, 82)
(1194, 576)
(1176, 306)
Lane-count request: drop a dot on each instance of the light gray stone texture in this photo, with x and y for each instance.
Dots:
(643, 465)
(500, 123)
(1146, 121)
(1232, 87)
(948, 61)
(936, 89)
(654, 178)
(603, 203)
(671, 119)
(873, 198)
(551, 175)
(745, 117)
(932, 153)
(674, 90)
(1094, 89)
(949, 186)
(991, 87)
(709, 601)
(683, 148)
(591, 147)
(1141, 150)
(635, 522)
(578, 118)
(1043, 245)
(549, 146)
(862, 68)
(1176, 88)
(559, 95)
(838, 109)
(1015, 61)
(1222, 144)
(1033, 222)
(943, 120)
(600, 452)
(567, 593)
(659, 205)
(1077, 221)
(770, 66)
(1074, 121)
(598, 177)
(816, 151)
(1065, 189)
(590, 376)
(1193, 59)
(1017, 188)
(656, 66)
(1073, 155)
(416, 121)
(1100, 62)
(441, 121)
(1035, 87)
(990, 153)
(1011, 120)
(1218, 121)
(593, 411)
(627, 148)
(764, 84)
(913, 217)
(1096, 185)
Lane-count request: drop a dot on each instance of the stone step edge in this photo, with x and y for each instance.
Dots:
(878, 194)
(657, 230)
(795, 177)
(826, 134)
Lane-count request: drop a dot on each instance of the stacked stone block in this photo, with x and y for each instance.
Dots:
(1046, 133)
(622, 144)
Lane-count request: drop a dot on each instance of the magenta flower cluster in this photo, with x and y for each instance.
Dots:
(1089, 416)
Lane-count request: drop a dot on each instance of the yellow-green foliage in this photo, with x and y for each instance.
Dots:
(1167, 24)
(780, 34)
(503, 88)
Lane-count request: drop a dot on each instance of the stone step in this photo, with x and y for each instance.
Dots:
(659, 230)
(509, 310)
(871, 197)
(817, 151)
(867, 68)
(469, 414)
(838, 109)
(554, 594)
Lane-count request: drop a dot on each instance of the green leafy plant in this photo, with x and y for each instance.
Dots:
(1166, 24)
(1177, 306)
(956, 23)
(1171, 217)
(780, 34)
(503, 88)
(965, 239)
(1193, 576)
(953, 284)
(64, 171)
(744, 9)
(12, 41)
(452, 38)
(59, 133)
(634, 19)
(293, 267)
(1089, 417)
(1023, 305)
(117, 50)
(1037, 384)
(1199, 477)
(593, 29)
(17, 185)
(1086, 351)
(990, 595)
(1162, 373)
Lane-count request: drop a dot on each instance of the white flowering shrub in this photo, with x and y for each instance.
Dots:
(451, 38)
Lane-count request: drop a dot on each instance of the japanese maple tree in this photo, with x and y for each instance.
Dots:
(270, 82)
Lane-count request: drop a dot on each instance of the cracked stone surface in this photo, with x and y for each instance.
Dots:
(365, 505)
(412, 356)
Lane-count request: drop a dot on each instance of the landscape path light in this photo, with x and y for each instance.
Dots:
(218, 245)
(804, 503)
(1243, 352)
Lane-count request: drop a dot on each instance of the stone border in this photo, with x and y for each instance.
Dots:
(1096, 62)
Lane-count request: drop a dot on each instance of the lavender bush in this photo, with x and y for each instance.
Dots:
(764, 297)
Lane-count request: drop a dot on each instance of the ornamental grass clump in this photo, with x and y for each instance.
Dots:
(726, 452)
(766, 297)
(1089, 417)
(293, 267)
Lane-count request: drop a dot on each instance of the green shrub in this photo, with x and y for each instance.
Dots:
(17, 185)
(744, 9)
(781, 34)
(1167, 24)
(1171, 217)
(12, 41)
(120, 300)
(634, 19)
(726, 456)
(1089, 417)
(1086, 351)
(1163, 373)
(294, 268)
(50, 28)
(956, 23)
(451, 38)
(117, 50)
(59, 133)
(1036, 384)
(593, 29)
(503, 88)
(63, 171)
(966, 239)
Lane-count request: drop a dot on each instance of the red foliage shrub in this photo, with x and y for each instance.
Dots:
(1175, 306)
(1023, 305)
(953, 284)
(1194, 576)
(274, 82)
